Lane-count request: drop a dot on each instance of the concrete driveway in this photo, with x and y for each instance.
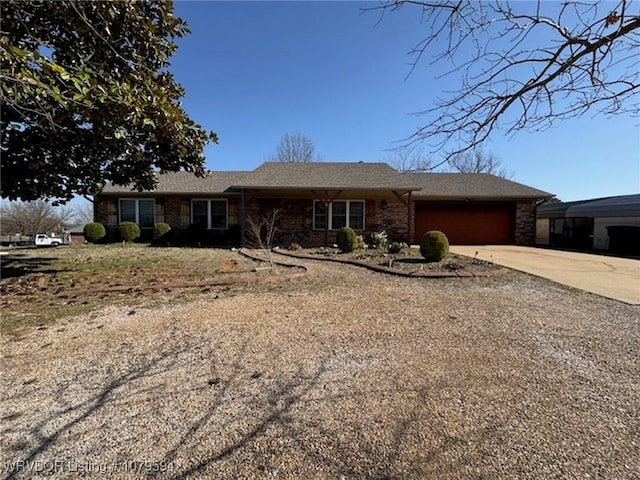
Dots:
(612, 277)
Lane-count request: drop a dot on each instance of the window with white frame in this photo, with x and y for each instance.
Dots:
(341, 213)
(140, 211)
(211, 214)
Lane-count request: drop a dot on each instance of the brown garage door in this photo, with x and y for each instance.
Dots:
(467, 223)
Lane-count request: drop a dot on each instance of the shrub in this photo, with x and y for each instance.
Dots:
(129, 231)
(360, 242)
(94, 232)
(434, 246)
(294, 246)
(347, 239)
(397, 247)
(160, 230)
(233, 234)
(380, 240)
(197, 232)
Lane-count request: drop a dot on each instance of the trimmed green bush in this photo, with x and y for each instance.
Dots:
(94, 232)
(434, 246)
(129, 231)
(160, 230)
(346, 239)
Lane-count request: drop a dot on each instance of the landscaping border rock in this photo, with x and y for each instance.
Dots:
(249, 254)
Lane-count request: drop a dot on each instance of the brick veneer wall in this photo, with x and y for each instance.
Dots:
(525, 222)
(176, 212)
(106, 211)
(392, 218)
(296, 220)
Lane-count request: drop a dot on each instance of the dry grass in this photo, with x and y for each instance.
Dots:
(343, 374)
(40, 286)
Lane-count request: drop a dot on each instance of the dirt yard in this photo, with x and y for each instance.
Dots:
(345, 373)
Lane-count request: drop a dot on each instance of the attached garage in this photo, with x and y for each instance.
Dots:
(468, 223)
(475, 208)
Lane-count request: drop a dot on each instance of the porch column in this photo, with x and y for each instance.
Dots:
(326, 221)
(243, 213)
(407, 203)
(410, 230)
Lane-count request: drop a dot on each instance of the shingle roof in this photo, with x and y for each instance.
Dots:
(343, 176)
(470, 185)
(327, 175)
(187, 182)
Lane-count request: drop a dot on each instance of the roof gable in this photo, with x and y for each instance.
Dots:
(325, 175)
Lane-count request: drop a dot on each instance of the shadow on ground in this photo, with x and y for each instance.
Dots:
(248, 423)
(16, 265)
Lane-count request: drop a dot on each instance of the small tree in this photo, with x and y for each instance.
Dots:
(261, 232)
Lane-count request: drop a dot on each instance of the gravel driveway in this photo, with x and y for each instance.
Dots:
(344, 374)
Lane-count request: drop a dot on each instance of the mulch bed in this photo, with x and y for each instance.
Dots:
(407, 266)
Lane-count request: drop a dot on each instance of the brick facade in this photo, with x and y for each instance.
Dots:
(525, 222)
(291, 188)
(296, 218)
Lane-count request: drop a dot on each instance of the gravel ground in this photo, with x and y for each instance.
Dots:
(346, 373)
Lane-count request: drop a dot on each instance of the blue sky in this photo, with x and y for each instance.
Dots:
(254, 71)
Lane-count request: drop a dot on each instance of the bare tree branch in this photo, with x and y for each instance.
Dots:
(83, 214)
(295, 148)
(524, 66)
(409, 158)
(478, 161)
(31, 218)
